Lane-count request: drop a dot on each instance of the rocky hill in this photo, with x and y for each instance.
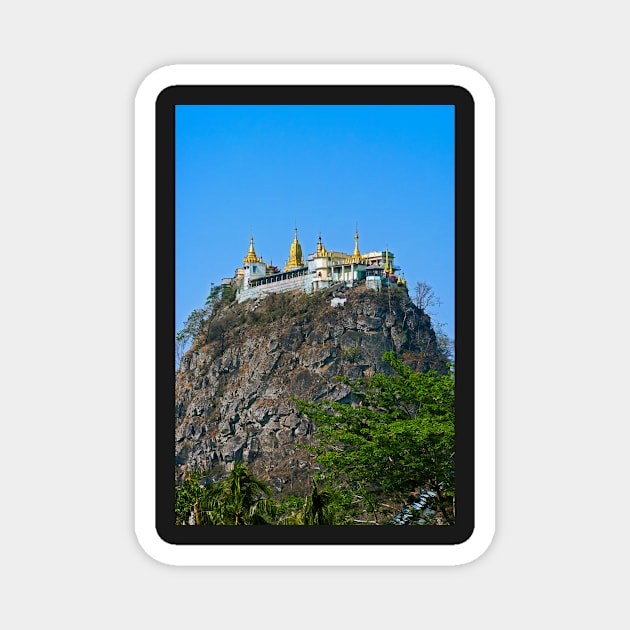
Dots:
(234, 388)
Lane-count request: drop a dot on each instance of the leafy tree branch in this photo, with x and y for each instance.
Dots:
(396, 440)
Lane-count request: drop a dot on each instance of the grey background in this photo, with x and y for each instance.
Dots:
(69, 74)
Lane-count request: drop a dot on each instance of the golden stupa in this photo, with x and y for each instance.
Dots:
(251, 254)
(295, 254)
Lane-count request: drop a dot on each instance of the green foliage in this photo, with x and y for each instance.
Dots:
(228, 294)
(198, 321)
(187, 497)
(321, 507)
(193, 326)
(289, 510)
(351, 354)
(242, 499)
(239, 499)
(398, 439)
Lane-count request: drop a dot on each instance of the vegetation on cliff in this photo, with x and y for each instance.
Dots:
(222, 319)
(377, 456)
(343, 415)
(238, 499)
(395, 442)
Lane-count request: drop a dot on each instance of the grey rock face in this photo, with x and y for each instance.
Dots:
(235, 390)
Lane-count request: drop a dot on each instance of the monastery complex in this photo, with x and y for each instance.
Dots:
(320, 270)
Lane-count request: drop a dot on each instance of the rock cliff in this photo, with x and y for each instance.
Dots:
(235, 387)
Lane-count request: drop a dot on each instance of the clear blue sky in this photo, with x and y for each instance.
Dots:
(261, 170)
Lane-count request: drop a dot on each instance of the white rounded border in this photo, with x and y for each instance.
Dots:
(144, 367)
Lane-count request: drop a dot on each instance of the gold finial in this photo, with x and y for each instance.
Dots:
(251, 254)
(356, 255)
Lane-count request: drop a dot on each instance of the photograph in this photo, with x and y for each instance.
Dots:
(314, 315)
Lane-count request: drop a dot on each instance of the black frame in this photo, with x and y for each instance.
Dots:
(165, 311)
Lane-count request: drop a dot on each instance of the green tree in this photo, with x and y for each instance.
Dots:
(238, 499)
(197, 321)
(187, 497)
(320, 507)
(396, 439)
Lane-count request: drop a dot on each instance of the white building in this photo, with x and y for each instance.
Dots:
(322, 269)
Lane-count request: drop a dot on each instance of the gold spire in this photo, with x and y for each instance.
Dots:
(295, 254)
(356, 254)
(251, 254)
